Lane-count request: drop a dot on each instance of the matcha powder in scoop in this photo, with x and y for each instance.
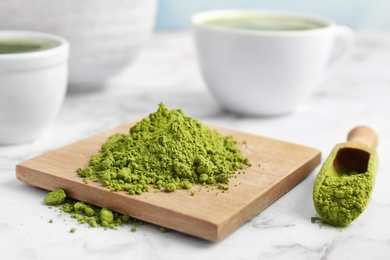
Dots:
(167, 150)
(345, 182)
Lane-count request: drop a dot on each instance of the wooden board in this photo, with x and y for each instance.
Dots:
(210, 214)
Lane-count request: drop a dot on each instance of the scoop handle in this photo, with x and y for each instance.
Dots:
(365, 135)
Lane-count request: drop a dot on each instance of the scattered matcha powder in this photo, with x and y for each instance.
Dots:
(91, 215)
(94, 216)
(316, 220)
(162, 230)
(167, 150)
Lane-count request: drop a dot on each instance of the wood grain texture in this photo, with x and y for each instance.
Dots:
(277, 167)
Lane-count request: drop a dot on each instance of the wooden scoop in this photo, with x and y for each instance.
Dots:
(344, 184)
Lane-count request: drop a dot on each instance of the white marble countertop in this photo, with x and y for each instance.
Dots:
(358, 92)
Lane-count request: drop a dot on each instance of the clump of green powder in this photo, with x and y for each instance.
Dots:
(89, 214)
(339, 198)
(56, 197)
(167, 150)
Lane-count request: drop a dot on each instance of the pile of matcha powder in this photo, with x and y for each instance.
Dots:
(167, 151)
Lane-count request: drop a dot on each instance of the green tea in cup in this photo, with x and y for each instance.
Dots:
(14, 45)
(264, 22)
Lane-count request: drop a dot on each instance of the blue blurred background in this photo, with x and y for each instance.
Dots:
(359, 14)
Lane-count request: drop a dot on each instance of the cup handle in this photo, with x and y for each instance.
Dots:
(344, 41)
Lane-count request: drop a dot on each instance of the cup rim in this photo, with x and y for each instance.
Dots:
(198, 20)
(41, 58)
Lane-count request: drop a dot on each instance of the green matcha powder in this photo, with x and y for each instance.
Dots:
(168, 151)
(339, 198)
(88, 214)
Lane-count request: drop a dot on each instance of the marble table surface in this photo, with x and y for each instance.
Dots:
(356, 93)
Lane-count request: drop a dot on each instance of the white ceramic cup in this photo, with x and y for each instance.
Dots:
(266, 71)
(32, 85)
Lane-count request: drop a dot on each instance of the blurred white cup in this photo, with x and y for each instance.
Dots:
(33, 83)
(105, 35)
(262, 62)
